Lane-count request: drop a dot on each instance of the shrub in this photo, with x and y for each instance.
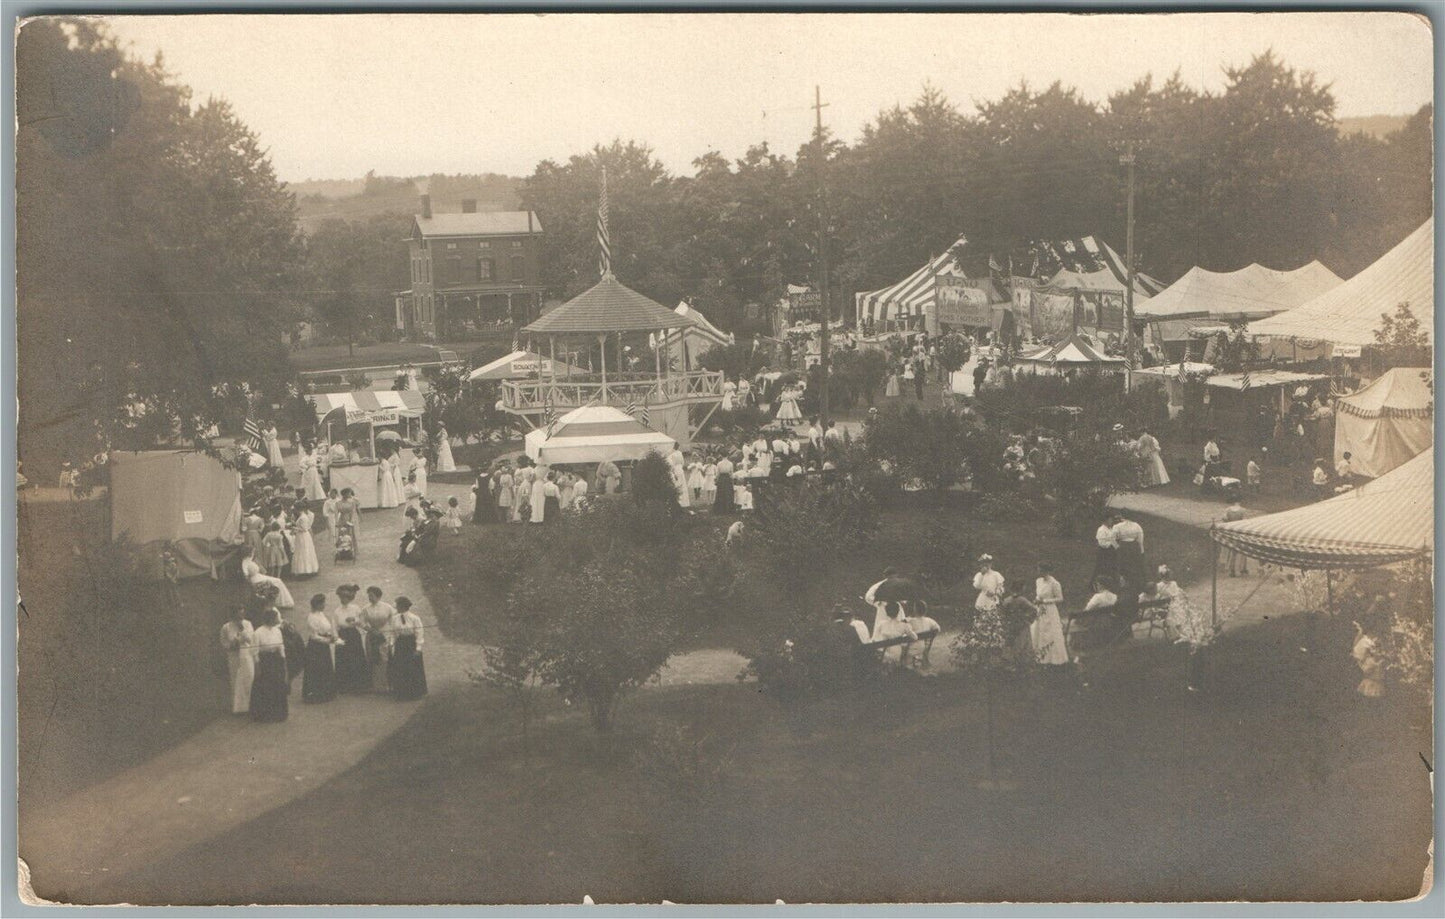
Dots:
(805, 527)
(930, 446)
(1082, 477)
(652, 481)
(692, 765)
(804, 654)
(358, 379)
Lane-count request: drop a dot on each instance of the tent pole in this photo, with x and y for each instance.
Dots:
(1329, 593)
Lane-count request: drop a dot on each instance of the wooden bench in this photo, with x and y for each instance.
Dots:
(1152, 612)
(881, 647)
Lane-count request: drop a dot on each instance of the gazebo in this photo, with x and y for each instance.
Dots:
(603, 319)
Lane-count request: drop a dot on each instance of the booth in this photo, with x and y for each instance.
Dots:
(361, 419)
(180, 500)
(1077, 352)
(1388, 422)
(594, 433)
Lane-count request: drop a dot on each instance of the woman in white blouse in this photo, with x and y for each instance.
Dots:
(406, 672)
(318, 680)
(1046, 632)
(270, 687)
(253, 573)
(988, 583)
(238, 640)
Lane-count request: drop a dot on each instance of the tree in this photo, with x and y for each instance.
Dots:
(652, 482)
(1400, 339)
(354, 269)
(192, 262)
(932, 447)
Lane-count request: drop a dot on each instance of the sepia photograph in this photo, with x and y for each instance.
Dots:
(711, 458)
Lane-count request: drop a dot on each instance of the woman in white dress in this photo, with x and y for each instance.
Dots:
(238, 640)
(788, 412)
(445, 462)
(1154, 472)
(730, 396)
(1046, 632)
(709, 483)
(537, 494)
(893, 388)
(418, 470)
(273, 446)
(1190, 624)
(398, 475)
(522, 494)
(311, 476)
(303, 547)
(387, 492)
(988, 583)
(255, 575)
(505, 488)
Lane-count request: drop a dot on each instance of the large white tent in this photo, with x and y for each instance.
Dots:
(1388, 422)
(1391, 519)
(1252, 292)
(594, 433)
(1349, 313)
(685, 345)
(178, 499)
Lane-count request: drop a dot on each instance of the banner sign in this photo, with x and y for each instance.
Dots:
(1052, 316)
(961, 301)
(361, 415)
(1111, 313)
(807, 304)
(529, 367)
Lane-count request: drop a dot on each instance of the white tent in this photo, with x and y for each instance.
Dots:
(180, 499)
(1252, 292)
(594, 433)
(520, 365)
(1388, 422)
(1349, 313)
(910, 297)
(687, 344)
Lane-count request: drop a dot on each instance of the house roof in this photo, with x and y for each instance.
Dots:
(608, 306)
(483, 223)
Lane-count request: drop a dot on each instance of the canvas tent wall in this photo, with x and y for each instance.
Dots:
(1388, 422)
(1349, 313)
(520, 365)
(180, 497)
(594, 433)
(1252, 292)
(685, 345)
(1391, 519)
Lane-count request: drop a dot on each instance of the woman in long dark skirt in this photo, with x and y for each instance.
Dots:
(353, 672)
(319, 677)
(723, 503)
(270, 688)
(405, 669)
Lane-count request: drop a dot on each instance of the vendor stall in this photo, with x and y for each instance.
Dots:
(594, 433)
(360, 419)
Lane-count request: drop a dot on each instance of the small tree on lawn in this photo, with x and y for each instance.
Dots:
(929, 446)
(1082, 477)
(1400, 340)
(802, 529)
(511, 668)
(652, 481)
(600, 630)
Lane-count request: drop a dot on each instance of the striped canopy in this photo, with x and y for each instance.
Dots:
(1391, 519)
(594, 433)
(382, 407)
(912, 296)
(1076, 350)
(519, 365)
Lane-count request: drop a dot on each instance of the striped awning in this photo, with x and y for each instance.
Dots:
(382, 407)
(1389, 520)
(912, 296)
(1074, 350)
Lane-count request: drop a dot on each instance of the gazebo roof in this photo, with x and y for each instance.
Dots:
(608, 306)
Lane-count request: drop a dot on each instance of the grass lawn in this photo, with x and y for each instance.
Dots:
(104, 683)
(467, 604)
(339, 357)
(1276, 782)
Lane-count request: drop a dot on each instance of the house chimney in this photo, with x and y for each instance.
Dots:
(469, 205)
(529, 221)
(426, 206)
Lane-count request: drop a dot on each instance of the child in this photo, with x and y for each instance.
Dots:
(330, 511)
(1252, 476)
(345, 544)
(453, 519)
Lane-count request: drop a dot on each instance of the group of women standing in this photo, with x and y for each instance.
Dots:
(534, 494)
(278, 540)
(392, 487)
(351, 649)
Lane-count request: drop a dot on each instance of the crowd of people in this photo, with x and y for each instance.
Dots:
(350, 648)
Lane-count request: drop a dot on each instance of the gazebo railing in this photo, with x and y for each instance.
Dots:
(630, 389)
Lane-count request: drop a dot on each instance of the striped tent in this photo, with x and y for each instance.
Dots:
(912, 296)
(383, 406)
(594, 433)
(1389, 520)
(1074, 351)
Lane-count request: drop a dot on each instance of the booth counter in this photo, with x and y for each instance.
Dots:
(360, 478)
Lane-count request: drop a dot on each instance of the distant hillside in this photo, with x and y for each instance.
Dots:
(1375, 125)
(358, 199)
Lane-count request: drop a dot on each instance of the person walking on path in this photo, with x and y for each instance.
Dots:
(238, 641)
(1154, 472)
(445, 461)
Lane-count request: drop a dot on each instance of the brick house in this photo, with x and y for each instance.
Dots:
(471, 270)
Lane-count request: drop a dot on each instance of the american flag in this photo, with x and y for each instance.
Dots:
(549, 416)
(252, 432)
(1244, 380)
(603, 246)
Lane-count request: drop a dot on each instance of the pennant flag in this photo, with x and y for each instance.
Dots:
(603, 245)
(1244, 381)
(644, 415)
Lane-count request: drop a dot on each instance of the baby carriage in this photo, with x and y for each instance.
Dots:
(345, 543)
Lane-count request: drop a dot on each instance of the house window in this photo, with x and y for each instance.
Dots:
(484, 269)
(516, 244)
(483, 244)
(519, 268)
(451, 245)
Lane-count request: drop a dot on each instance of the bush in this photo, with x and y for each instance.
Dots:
(1082, 477)
(806, 527)
(736, 360)
(692, 765)
(652, 481)
(804, 655)
(358, 379)
(929, 446)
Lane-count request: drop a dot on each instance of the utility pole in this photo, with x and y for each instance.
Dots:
(1129, 350)
(826, 309)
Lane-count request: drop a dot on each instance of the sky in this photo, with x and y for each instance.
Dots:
(413, 94)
